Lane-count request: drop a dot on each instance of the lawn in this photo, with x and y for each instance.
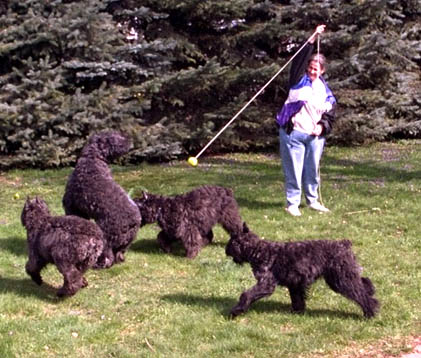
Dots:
(164, 305)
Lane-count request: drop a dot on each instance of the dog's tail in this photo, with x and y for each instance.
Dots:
(368, 285)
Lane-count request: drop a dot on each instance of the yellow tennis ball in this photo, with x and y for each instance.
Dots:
(192, 161)
(16, 196)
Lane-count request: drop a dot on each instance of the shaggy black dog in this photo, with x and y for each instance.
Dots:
(71, 243)
(189, 217)
(297, 265)
(91, 193)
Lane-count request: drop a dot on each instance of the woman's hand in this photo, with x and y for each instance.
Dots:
(319, 30)
(318, 130)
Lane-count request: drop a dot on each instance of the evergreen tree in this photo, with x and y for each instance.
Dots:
(171, 73)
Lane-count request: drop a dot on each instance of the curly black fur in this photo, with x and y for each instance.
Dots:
(71, 243)
(190, 217)
(91, 193)
(297, 265)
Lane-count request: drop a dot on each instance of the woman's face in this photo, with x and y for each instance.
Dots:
(314, 70)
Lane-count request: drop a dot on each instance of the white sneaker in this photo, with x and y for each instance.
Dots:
(319, 207)
(293, 210)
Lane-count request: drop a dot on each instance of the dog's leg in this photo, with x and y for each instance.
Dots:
(370, 305)
(192, 242)
(33, 268)
(84, 282)
(119, 253)
(119, 256)
(209, 237)
(73, 280)
(165, 241)
(106, 259)
(298, 298)
(263, 288)
(192, 251)
(124, 241)
(369, 287)
(350, 285)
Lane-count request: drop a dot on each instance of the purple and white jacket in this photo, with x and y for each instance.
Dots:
(304, 101)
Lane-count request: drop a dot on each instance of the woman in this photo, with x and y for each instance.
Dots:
(304, 120)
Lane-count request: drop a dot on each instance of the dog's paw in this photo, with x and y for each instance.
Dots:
(84, 282)
(298, 311)
(37, 279)
(119, 257)
(103, 263)
(236, 311)
(191, 254)
(62, 292)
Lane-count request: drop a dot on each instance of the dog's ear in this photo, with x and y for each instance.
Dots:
(28, 200)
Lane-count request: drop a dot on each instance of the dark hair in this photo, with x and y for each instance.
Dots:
(320, 59)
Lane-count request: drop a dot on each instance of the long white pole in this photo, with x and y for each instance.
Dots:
(253, 98)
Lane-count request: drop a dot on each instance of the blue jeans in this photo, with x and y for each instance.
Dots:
(300, 154)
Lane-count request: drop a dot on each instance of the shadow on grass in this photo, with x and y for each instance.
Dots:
(224, 305)
(28, 288)
(14, 245)
(276, 164)
(151, 247)
(146, 246)
(260, 205)
(368, 170)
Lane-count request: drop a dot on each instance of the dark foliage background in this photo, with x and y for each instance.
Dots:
(171, 73)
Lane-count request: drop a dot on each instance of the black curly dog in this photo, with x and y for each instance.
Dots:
(297, 265)
(190, 217)
(91, 193)
(71, 243)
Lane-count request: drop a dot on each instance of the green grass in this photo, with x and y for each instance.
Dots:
(158, 305)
